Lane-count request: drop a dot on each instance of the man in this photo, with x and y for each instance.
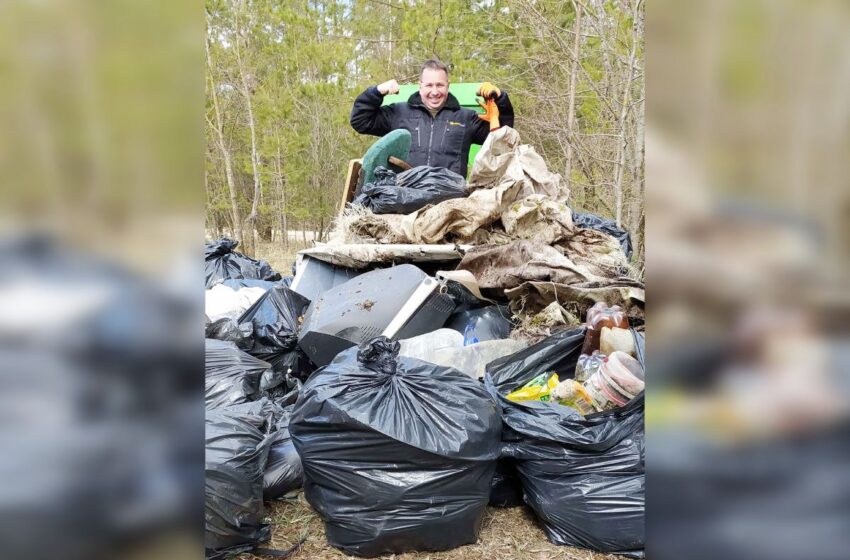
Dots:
(441, 130)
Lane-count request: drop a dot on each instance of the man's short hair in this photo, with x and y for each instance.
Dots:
(434, 64)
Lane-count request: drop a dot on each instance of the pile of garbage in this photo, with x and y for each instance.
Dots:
(485, 347)
(607, 374)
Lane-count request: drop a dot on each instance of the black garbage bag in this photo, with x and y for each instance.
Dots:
(237, 447)
(592, 221)
(462, 297)
(232, 376)
(485, 323)
(229, 330)
(281, 388)
(398, 454)
(275, 318)
(582, 476)
(382, 176)
(238, 283)
(283, 470)
(439, 181)
(505, 490)
(222, 262)
(410, 190)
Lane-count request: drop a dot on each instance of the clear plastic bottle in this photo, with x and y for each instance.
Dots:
(588, 365)
(469, 334)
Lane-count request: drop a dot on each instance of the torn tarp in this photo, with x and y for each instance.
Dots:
(508, 266)
(456, 219)
(592, 221)
(503, 159)
(533, 297)
(538, 217)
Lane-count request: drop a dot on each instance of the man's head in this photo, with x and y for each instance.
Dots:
(434, 84)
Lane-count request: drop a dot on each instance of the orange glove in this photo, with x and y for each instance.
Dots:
(491, 114)
(488, 91)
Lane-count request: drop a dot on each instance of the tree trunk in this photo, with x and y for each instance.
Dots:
(225, 154)
(622, 144)
(251, 220)
(281, 197)
(571, 108)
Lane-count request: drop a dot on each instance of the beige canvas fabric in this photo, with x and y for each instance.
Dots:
(504, 159)
(508, 266)
(533, 297)
(538, 217)
(596, 253)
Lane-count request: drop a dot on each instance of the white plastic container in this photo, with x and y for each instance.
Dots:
(618, 380)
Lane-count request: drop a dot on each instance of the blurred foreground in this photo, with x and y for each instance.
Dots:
(100, 279)
(747, 412)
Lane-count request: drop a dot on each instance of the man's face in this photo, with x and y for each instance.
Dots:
(434, 88)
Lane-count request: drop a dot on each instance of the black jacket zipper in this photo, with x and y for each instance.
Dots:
(430, 139)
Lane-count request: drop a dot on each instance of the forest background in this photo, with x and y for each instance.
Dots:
(281, 77)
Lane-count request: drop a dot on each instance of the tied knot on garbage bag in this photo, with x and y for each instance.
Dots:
(221, 247)
(222, 262)
(379, 354)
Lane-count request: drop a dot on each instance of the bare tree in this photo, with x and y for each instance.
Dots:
(622, 145)
(251, 220)
(218, 127)
(571, 108)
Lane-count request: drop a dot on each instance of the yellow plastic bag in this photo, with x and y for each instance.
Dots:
(537, 389)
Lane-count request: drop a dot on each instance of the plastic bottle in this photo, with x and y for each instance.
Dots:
(588, 365)
(469, 335)
(598, 316)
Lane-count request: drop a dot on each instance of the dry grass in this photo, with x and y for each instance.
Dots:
(279, 256)
(507, 534)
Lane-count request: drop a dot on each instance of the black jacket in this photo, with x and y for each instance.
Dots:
(441, 141)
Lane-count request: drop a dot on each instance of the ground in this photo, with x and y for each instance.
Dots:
(280, 257)
(507, 534)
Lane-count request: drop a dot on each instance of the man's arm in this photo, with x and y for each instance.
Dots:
(506, 110)
(367, 115)
(481, 128)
